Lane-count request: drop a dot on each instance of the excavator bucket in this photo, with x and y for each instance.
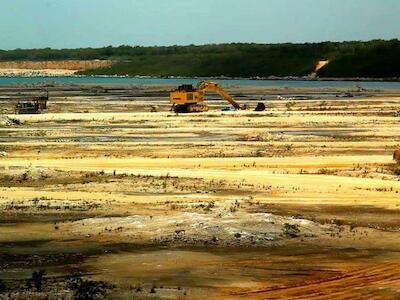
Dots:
(260, 107)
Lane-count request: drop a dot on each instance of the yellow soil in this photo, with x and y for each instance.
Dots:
(185, 180)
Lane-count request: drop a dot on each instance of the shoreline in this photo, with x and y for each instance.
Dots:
(70, 74)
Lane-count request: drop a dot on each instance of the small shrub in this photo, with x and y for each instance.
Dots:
(289, 105)
(15, 121)
(37, 279)
(87, 289)
(25, 176)
(2, 287)
(288, 147)
(337, 222)
(323, 104)
(397, 171)
(324, 171)
(152, 290)
(209, 206)
(291, 230)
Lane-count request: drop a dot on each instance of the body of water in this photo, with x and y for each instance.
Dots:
(178, 81)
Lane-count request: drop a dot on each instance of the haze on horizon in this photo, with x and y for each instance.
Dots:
(86, 23)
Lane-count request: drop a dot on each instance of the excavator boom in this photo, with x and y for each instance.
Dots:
(216, 87)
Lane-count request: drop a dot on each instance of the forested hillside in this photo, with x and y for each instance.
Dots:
(378, 58)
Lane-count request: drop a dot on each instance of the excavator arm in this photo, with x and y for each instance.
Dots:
(216, 87)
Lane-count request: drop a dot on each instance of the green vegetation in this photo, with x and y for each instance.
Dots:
(291, 230)
(324, 171)
(37, 279)
(376, 58)
(87, 289)
(2, 286)
(397, 170)
(289, 105)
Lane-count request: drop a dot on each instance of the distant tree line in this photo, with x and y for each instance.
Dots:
(377, 58)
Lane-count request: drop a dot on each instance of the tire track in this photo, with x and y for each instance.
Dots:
(359, 283)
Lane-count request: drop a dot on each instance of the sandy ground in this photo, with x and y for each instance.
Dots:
(36, 72)
(49, 68)
(298, 202)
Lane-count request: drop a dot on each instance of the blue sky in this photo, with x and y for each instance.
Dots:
(83, 23)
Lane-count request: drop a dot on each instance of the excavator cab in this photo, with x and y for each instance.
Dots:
(186, 88)
(185, 94)
(187, 99)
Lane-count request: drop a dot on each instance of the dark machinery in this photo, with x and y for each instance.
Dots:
(36, 105)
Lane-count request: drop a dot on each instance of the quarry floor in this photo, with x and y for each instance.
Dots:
(298, 202)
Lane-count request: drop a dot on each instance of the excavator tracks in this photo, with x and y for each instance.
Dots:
(361, 283)
(191, 108)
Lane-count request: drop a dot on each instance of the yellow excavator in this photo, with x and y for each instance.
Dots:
(187, 99)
